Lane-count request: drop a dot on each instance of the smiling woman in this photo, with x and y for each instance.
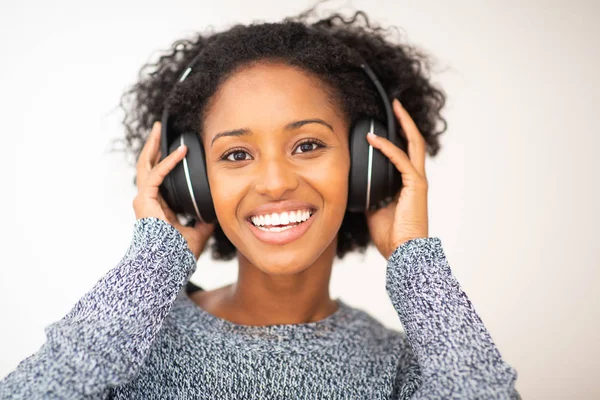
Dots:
(273, 117)
(289, 164)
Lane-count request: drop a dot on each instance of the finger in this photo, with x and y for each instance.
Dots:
(151, 146)
(160, 170)
(416, 142)
(156, 158)
(398, 157)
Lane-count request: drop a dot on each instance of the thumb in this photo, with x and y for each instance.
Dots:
(171, 216)
(377, 217)
(201, 228)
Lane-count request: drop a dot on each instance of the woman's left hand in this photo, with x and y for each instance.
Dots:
(406, 217)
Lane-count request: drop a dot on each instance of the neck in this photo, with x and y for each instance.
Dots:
(258, 298)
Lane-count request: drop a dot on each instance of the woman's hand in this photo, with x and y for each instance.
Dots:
(149, 203)
(406, 217)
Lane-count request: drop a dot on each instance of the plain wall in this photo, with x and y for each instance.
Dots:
(513, 193)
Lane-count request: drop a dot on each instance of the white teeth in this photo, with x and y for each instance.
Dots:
(274, 219)
(285, 218)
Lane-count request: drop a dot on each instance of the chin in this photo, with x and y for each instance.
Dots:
(283, 262)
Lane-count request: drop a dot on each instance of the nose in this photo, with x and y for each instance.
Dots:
(275, 177)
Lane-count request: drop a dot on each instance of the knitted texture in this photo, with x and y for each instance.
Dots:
(137, 335)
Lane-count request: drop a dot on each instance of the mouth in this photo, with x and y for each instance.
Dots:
(281, 228)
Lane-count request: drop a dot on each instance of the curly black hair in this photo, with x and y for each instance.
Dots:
(329, 48)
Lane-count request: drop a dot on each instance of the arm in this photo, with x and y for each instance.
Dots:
(103, 341)
(455, 353)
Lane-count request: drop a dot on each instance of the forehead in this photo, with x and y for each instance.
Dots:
(269, 94)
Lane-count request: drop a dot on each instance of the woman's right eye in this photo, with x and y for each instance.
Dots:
(236, 155)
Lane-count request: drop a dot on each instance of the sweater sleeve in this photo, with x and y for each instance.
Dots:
(456, 356)
(103, 341)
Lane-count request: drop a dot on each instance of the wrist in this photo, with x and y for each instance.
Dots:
(398, 243)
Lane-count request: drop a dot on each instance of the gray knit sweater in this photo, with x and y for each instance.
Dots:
(137, 335)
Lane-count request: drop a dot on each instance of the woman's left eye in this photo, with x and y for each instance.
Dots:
(308, 146)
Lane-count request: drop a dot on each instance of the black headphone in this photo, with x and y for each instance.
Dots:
(373, 180)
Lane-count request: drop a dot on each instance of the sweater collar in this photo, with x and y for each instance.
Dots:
(330, 328)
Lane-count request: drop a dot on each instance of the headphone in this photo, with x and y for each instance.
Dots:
(372, 182)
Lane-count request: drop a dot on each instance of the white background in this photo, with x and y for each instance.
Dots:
(513, 194)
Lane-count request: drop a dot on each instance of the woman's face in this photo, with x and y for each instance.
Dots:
(277, 153)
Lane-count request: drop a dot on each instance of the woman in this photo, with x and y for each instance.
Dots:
(272, 106)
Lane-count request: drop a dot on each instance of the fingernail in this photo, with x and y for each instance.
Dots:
(398, 104)
(181, 148)
(371, 134)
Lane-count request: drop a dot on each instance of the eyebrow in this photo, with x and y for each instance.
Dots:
(288, 127)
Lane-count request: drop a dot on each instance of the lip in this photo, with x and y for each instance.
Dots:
(284, 237)
(287, 205)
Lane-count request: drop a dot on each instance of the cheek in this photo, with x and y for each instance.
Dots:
(330, 179)
(226, 195)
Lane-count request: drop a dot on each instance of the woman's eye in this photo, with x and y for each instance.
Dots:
(237, 155)
(307, 147)
(242, 155)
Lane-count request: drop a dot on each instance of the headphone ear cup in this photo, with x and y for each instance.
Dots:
(395, 181)
(189, 181)
(369, 178)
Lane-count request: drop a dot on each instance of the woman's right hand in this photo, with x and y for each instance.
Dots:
(149, 203)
